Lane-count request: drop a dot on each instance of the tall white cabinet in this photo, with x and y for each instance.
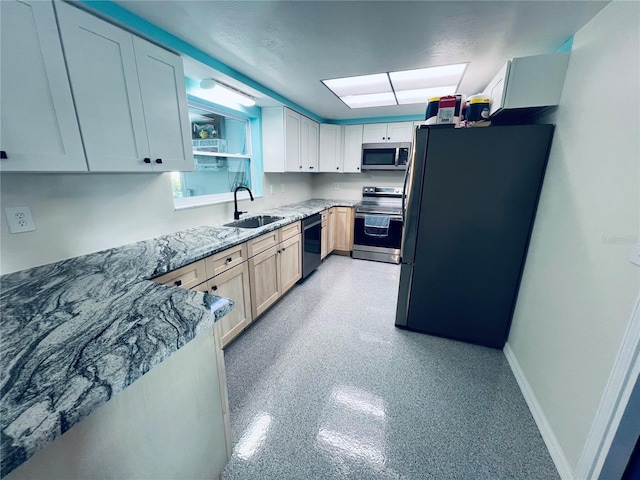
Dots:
(39, 131)
(130, 97)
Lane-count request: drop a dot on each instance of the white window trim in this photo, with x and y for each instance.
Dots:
(219, 198)
(208, 200)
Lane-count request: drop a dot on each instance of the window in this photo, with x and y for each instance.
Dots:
(223, 158)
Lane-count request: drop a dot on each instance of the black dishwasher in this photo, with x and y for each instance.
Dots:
(311, 231)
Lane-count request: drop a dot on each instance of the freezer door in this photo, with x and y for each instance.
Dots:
(413, 194)
(404, 295)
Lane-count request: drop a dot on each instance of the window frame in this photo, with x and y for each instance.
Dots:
(219, 198)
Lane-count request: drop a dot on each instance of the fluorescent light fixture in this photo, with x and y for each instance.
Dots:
(371, 100)
(427, 77)
(397, 88)
(422, 95)
(361, 85)
(216, 92)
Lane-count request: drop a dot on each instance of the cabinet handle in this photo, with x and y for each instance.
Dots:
(177, 283)
(357, 168)
(3, 155)
(310, 167)
(147, 160)
(229, 260)
(214, 288)
(158, 160)
(283, 248)
(300, 166)
(337, 168)
(388, 138)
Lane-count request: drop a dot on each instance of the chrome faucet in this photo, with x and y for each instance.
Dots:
(236, 212)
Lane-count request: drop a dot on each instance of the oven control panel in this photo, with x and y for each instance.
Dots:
(381, 192)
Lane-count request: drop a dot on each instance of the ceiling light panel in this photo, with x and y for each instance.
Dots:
(428, 77)
(361, 85)
(422, 95)
(371, 100)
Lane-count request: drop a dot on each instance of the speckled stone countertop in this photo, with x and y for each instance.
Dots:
(76, 332)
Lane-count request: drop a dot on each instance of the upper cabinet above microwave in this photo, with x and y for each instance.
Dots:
(388, 132)
(130, 97)
(39, 130)
(528, 83)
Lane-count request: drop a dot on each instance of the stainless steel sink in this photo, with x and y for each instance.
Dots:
(254, 222)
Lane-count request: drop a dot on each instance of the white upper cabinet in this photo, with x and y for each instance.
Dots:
(331, 148)
(39, 130)
(130, 97)
(352, 148)
(164, 102)
(310, 131)
(387, 132)
(289, 141)
(528, 82)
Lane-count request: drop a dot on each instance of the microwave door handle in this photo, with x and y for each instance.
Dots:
(397, 157)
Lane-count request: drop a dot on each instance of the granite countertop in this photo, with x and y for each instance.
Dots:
(76, 332)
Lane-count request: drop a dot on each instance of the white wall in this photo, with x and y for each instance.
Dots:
(77, 214)
(579, 288)
(350, 184)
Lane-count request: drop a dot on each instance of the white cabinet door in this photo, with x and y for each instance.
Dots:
(39, 131)
(164, 102)
(495, 89)
(331, 153)
(400, 132)
(352, 148)
(309, 145)
(102, 70)
(374, 133)
(292, 129)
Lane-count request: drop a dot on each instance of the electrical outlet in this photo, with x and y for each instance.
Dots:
(19, 219)
(336, 186)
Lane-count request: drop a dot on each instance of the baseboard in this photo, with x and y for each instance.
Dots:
(557, 454)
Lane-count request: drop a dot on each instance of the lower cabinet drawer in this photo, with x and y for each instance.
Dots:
(262, 243)
(290, 230)
(186, 277)
(223, 261)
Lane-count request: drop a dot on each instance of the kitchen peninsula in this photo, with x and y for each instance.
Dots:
(77, 332)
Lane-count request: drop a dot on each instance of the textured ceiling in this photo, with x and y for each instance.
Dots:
(291, 46)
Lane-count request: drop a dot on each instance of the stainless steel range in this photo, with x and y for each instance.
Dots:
(377, 229)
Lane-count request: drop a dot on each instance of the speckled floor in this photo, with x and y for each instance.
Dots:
(324, 386)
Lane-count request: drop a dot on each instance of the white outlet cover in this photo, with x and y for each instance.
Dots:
(19, 219)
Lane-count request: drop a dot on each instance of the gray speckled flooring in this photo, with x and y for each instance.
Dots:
(324, 386)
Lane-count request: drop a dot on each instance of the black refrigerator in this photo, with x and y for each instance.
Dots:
(471, 198)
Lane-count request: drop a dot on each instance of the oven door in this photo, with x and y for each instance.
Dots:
(377, 237)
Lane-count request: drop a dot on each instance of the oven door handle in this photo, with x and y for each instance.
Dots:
(393, 217)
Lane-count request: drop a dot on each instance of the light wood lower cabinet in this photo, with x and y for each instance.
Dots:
(324, 235)
(331, 230)
(233, 284)
(290, 262)
(343, 233)
(264, 280)
(273, 272)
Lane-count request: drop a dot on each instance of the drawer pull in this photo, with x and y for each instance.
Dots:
(229, 260)
(214, 288)
(283, 249)
(177, 283)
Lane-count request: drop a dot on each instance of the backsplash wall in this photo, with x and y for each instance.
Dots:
(350, 184)
(76, 214)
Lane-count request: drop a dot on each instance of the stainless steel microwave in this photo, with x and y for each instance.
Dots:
(385, 156)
